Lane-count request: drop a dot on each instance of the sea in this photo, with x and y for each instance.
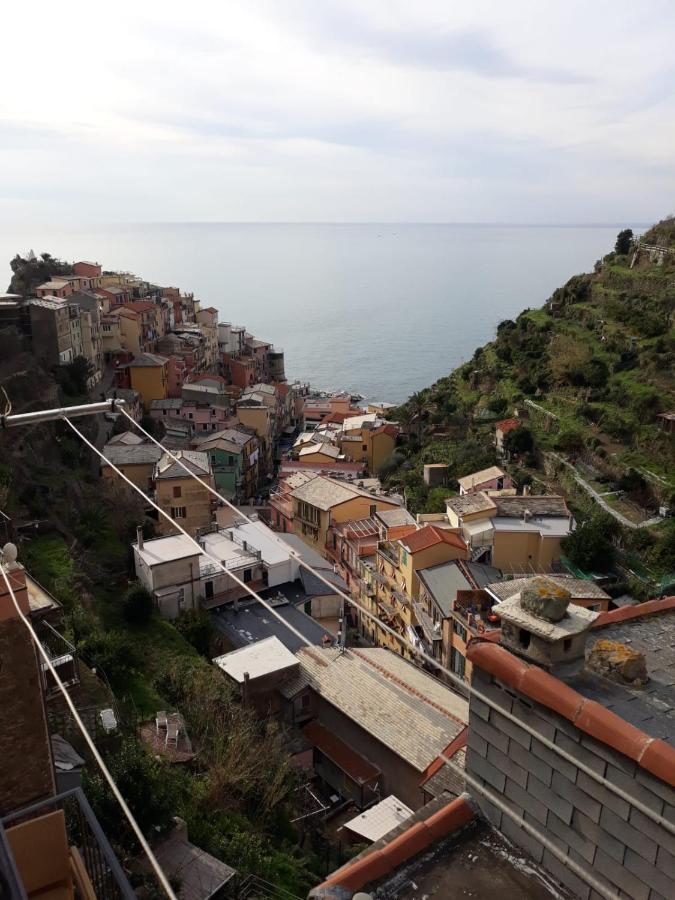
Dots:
(377, 310)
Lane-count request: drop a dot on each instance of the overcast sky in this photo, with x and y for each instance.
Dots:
(338, 110)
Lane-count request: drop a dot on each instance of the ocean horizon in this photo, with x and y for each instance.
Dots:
(379, 309)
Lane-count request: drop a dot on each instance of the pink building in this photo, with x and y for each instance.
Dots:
(87, 269)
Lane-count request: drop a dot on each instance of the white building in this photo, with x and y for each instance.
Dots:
(181, 578)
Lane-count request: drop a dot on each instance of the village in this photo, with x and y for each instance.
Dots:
(411, 656)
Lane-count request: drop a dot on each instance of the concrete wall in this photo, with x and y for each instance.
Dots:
(605, 834)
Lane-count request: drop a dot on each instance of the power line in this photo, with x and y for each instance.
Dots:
(462, 685)
(564, 858)
(92, 746)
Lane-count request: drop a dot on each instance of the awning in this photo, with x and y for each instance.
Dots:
(352, 763)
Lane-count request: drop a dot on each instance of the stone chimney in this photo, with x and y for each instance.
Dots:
(26, 767)
(618, 662)
(541, 625)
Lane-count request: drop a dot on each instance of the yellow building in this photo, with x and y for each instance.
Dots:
(397, 582)
(148, 375)
(137, 462)
(261, 419)
(323, 502)
(368, 440)
(515, 534)
(129, 329)
(182, 497)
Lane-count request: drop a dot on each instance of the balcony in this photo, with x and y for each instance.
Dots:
(57, 848)
(389, 552)
(63, 656)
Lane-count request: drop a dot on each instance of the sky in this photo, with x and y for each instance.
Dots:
(337, 110)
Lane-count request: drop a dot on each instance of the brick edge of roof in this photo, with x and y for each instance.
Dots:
(625, 613)
(652, 754)
(414, 840)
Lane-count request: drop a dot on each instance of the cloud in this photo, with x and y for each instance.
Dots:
(385, 111)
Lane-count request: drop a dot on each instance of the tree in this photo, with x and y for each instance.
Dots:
(519, 441)
(196, 626)
(590, 545)
(74, 376)
(138, 605)
(624, 240)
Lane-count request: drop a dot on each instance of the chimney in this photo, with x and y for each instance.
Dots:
(527, 515)
(139, 536)
(541, 625)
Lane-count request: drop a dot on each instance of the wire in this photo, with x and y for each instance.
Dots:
(564, 858)
(462, 685)
(92, 746)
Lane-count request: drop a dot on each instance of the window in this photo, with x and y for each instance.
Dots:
(459, 629)
(177, 512)
(567, 645)
(177, 491)
(190, 416)
(524, 638)
(306, 700)
(248, 574)
(364, 447)
(208, 590)
(230, 460)
(457, 662)
(205, 426)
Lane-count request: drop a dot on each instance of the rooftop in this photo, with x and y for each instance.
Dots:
(443, 581)
(575, 621)
(469, 481)
(263, 658)
(252, 622)
(199, 874)
(639, 724)
(379, 691)
(579, 588)
(195, 461)
(167, 403)
(355, 422)
(376, 821)
(131, 455)
(166, 549)
(429, 536)
(325, 493)
(126, 438)
(393, 518)
(650, 708)
(467, 504)
(148, 360)
(537, 505)
(507, 425)
(324, 448)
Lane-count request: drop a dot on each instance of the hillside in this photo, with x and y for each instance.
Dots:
(588, 373)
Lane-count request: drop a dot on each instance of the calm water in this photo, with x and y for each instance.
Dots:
(379, 309)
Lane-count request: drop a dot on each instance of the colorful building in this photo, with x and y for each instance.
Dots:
(148, 374)
(181, 496)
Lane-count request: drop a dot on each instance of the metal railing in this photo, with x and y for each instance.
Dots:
(85, 835)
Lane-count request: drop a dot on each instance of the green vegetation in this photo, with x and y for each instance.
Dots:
(589, 372)
(238, 794)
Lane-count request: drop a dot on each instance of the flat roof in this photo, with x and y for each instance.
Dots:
(131, 454)
(535, 504)
(378, 820)
(444, 580)
(262, 658)
(553, 526)
(166, 549)
(252, 622)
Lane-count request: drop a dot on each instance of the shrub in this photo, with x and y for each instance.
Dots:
(197, 628)
(519, 441)
(138, 605)
(590, 545)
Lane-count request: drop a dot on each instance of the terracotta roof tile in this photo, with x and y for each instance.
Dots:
(507, 425)
(588, 716)
(429, 536)
(412, 841)
(633, 612)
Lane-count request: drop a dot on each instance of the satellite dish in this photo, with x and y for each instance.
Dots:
(9, 553)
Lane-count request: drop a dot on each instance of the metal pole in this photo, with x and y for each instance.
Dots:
(47, 415)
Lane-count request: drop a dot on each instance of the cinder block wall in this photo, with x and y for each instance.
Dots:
(605, 834)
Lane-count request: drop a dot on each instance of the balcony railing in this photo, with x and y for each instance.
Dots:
(388, 551)
(59, 843)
